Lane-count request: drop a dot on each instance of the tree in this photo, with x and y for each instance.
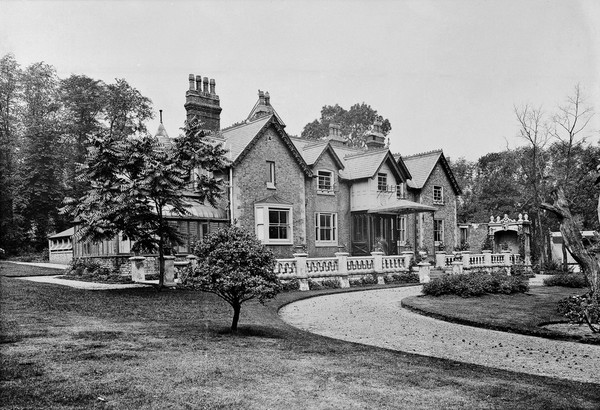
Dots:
(126, 110)
(354, 123)
(135, 182)
(83, 100)
(40, 190)
(235, 266)
(10, 89)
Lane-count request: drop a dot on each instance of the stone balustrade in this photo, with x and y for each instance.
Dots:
(487, 260)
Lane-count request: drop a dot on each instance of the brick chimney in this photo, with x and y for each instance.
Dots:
(202, 103)
(375, 138)
(335, 133)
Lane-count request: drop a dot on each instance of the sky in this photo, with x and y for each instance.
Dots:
(447, 74)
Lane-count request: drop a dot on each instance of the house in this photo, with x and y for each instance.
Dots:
(433, 184)
(314, 196)
(60, 247)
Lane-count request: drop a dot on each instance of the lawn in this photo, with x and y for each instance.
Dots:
(65, 348)
(520, 313)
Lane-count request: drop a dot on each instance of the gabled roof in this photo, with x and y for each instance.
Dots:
(422, 165)
(65, 233)
(366, 164)
(260, 109)
(241, 138)
(314, 150)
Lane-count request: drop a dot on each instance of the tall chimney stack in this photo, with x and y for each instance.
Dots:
(202, 104)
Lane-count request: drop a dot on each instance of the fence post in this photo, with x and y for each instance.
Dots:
(342, 258)
(378, 267)
(424, 268)
(169, 270)
(408, 255)
(457, 267)
(138, 272)
(302, 272)
(440, 259)
(466, 259)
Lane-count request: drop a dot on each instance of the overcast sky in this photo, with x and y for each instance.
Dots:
(445, 73)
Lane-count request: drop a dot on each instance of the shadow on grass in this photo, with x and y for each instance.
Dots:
(253, 331)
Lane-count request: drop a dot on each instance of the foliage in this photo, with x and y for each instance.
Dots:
(475, 284)
(518, 270)
(582, 309)
(290, 286)
(568, 280)
(324, 284)
(364, 280)
(405, 277)
(354, 123)
(89, 270)
(237, 267)
(135, 182)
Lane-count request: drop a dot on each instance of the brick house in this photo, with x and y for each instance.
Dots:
(433, 184)
(316, 196)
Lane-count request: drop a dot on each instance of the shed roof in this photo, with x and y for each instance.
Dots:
(63, 234)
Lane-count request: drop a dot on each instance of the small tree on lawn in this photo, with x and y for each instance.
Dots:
(133, 183)
(235, 266)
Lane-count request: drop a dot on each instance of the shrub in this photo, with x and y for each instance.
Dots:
(568, 280)
(405, 277)
(92, 271)
(290, 285)
(364, 280)
(234, 265)
(314, 285)
(475, 284)
(582, 309)
(330, 284)
(79, 267)
(519, 270)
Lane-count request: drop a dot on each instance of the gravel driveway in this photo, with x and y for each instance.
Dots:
(376, 318)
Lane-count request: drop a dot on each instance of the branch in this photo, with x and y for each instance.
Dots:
(551, 208)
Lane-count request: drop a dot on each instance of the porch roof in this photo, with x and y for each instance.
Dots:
(401, 206)
(197, 210)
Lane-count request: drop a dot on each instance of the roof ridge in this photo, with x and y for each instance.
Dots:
(367, 152)
(246, 122)
(421, 154)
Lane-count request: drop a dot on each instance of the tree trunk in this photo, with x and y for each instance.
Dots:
(236, 316)
(572, 238)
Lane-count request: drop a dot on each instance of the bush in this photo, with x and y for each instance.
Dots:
(92, 271)
(406, 277)
(568, 280)
(364, 280)
(475, 284)
(290, 285)
(582, 309)
(520, 271)
(314, 285)
(331, 284)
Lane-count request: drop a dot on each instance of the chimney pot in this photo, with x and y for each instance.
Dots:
(212, 85)
(205, 88)
(160, 112)
(198, 83)
(191, 80)
(267, 98)
(261, 97)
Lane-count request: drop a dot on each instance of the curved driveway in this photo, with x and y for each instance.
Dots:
(376, 318)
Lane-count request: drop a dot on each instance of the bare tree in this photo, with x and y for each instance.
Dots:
(534, 130)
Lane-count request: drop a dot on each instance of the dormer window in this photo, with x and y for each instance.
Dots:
(324, 182)
(271, 174)
(382, 182)
(438, 195)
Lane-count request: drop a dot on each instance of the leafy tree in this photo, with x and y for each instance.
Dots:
(235, 266)
(10, 89)
(83, 100)
(354, 123)
(40, 162)
(135, 182)
(126, 110)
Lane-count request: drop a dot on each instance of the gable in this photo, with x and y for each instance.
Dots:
(241, 139)
(421, 167)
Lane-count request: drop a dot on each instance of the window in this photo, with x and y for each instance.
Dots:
(326, 228)
(438, 231)
(325, 182)
(402, 229)
(438, 194)
(271, 174)
(274, 224)
(401, 191)
(382, 182)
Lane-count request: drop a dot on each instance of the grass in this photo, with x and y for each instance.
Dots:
(65, 348)
(519, 313)
(12, 270)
